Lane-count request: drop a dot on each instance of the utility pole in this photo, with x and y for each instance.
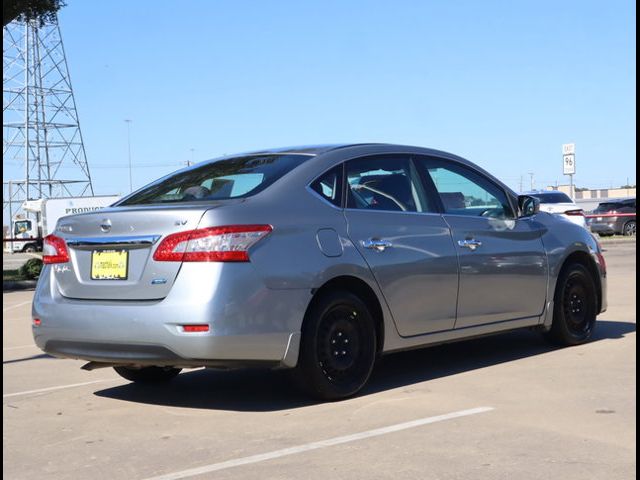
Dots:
(520, 184)
(532, 175)
(43, 153)
(128, 122)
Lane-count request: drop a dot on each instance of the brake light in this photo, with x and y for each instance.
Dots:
(195, 328)
(54, 250)
(575, 213)
(213, 244)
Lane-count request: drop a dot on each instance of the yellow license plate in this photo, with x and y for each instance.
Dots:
(109, 264)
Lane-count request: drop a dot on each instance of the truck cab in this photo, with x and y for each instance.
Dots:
(27, 229)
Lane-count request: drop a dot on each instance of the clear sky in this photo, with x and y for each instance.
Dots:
(502, 83)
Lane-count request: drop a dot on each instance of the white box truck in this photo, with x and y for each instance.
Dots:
(47, 212)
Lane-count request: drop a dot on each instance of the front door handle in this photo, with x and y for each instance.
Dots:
(376, 244)
(469, 243)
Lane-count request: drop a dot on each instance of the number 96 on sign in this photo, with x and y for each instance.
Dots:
(569, 164)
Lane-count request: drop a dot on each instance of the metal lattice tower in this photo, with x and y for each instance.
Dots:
(43, 153)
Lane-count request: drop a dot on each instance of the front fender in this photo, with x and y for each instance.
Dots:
(563, 239)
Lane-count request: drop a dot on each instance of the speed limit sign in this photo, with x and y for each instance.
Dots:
(569, 164)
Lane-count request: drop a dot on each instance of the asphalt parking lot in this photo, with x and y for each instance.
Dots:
(505, 407)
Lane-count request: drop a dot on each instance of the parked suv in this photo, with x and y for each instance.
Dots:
(617, 217)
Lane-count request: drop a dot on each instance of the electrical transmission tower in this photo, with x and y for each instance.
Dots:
(43, 153)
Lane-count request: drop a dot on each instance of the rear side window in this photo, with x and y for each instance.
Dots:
(329, 186)
(631, 204)
(558, 197)
(387, 183)
(218, 180)
(608, 207)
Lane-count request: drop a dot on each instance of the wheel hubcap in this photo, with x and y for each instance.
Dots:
(576, 307)
(339, 343)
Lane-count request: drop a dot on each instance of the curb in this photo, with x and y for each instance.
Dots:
(617, 241)
(18, 285)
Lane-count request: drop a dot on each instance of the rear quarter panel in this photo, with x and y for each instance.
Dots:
(290, 257)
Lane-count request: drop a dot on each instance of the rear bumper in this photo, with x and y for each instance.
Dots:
(248, 323)
(605, 228)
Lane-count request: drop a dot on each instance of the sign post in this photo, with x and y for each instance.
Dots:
(569, 164)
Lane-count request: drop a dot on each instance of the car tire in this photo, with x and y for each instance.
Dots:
(575, 307)
(30, 249)
(629, 229)
(338, 347)
(148, 374)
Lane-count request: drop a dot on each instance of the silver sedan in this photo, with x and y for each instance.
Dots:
(314, 259)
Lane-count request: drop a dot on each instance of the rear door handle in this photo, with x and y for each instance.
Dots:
(376, 244)
(469, 243)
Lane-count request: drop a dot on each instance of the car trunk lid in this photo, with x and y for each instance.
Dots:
(111, 251)
(558, 207)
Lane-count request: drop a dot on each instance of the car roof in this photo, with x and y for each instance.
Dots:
(326, 151)
(544, 192)
(308, 149)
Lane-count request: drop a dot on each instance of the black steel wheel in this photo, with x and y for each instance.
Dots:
(148, 374)
(575, 306)
(338, 347)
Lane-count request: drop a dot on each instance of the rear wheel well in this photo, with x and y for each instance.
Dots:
(585, 259)
(33, 247)
(363, 291)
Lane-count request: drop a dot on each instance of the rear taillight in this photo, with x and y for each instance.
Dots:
(214, 244)
(575, 213)
(195, 328)
(54, 250)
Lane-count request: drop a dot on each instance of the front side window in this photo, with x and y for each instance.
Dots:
(218, 180)
(465, 192)
(21, 227)
(384, 183)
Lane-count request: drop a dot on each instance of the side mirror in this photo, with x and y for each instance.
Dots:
(528, 205)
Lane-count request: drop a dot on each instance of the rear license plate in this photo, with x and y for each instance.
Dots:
(599, 219)
(109, 264)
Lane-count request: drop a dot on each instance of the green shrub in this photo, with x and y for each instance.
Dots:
(31, 269)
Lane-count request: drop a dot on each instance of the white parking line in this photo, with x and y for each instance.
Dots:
(11, 307)
(214, 467)
(61, 387)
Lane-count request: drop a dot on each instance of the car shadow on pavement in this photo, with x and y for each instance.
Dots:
(264, 390)
(26, 359)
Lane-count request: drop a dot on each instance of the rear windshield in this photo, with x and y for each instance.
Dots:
(218, 180)
(557, 197)
(607, 207)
